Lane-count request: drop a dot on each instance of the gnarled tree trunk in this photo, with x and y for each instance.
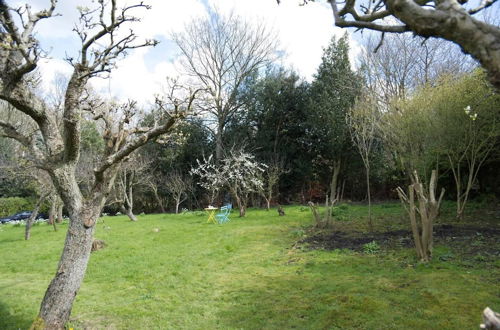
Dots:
(59, 213)
(58, 300)
(128, 212)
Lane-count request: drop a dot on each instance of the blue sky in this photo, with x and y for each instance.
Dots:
(303, 31)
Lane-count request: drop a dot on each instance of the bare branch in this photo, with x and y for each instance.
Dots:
(99, 58)
(449, 20)
(12, 132)
(220, 52)
(483, 5)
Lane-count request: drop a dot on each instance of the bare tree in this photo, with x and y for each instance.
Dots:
(130, 175)
(403, 62)
(220, 51)
(57, 149)
(362, 119)
(44, 190)
(33, 215)
(179, 187)
(270, 178)
(154, 179)
(451, 20)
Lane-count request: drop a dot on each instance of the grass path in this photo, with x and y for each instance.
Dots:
(242, 275)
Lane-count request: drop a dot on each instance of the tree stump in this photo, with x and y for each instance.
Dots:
(98, 244)
(281, 211)
(491, 320)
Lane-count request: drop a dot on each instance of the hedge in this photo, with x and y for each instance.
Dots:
(12, 205)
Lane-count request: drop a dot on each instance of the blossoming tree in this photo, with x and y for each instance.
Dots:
(238, 172)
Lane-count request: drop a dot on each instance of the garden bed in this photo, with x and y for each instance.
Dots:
(467, 240)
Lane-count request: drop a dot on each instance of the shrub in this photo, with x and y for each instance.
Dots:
(371, 248)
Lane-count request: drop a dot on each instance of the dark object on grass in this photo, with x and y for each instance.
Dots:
(98, 244)
(281, 211)
(491, 320)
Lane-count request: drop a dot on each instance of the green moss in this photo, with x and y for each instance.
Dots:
(38, 324)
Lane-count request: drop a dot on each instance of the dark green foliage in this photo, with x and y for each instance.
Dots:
(91, 140)
(13, 184)
(275, 123)
(333, 93)
(178, 154)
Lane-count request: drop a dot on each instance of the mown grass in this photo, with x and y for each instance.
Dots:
(247, 274)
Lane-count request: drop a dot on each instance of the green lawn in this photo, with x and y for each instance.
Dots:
(247, 274)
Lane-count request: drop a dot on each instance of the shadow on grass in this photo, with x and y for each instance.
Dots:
(288, 304)
(12, 321)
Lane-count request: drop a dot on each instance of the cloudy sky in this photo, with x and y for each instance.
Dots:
(303, 31)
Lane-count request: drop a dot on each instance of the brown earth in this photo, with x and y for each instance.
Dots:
(466, 240)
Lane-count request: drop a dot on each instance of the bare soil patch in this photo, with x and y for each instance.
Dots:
(467, 240)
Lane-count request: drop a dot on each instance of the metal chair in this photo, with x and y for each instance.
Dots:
(223, 215)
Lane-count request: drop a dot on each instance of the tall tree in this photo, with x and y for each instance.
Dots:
(333, 93)
(274, 125)
(220, 52)
(56, 148)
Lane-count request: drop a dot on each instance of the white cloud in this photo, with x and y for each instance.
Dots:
(49, 69)
(133, 80)
(303, 31)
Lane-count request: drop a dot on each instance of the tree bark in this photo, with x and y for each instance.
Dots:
(370, 221)
(491, 320)
(334, 183)
(158, 199)
(58, 300)
(127, 210)
(59, 217)
(177, 203)
(428, 209)
(243, 211)
(241, 205)
(52, 210)
(450, 21)
(60, 295)
(218, 143)
(29, 221)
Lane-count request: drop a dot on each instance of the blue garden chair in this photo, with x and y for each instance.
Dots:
(223, 215)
